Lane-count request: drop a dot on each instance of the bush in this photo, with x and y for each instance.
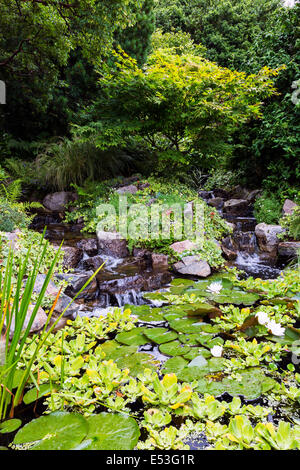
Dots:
(221, 178)
(292, 224)
(267, 209)
(12, 217)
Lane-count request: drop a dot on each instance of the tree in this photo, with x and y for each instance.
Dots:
(177, 104)
(136, 39)
(225, 27)
(36, 38)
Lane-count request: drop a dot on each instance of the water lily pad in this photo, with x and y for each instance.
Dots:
(190, 339)
(186, 325)
(56, 431)
(198, 361)
(137, 363)
(10, 425)
(196, 372)
(182, 282)
(252, 385)
(174, 365)
(194, 352)
(147, 314)
(112, 431)
(160, 335)
(34, 394)
(133, 337)
(174, 348)
(201, 309)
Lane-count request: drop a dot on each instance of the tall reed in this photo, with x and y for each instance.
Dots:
(17, 314)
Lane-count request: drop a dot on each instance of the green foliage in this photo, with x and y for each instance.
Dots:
(175, 104)
(178, 43)
(292, 224)
(66, 162)
(267, 208)
(221, 178)
(136, 39)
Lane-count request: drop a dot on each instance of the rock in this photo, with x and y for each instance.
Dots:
(244, 241)
(159, 261)
(112, 244)
(12, 237)
(216, 202)
(288, 207)
(267, 237)
(72, 256)
(144, 185)
(193, 266)
(185, 245)
(205, 195)
(57, 201)
(93, 263)
(219, 192)
(236, 206)
(253, 195)
(231, 226)
(141, 253)
(52, 291)
(229, 249)
(288, 249)
(138, 283)
(89, 246)
(76, 281)
(238, 192)
(131, 189)
(38, 322)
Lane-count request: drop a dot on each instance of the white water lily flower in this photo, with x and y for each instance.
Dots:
(217, 351)
(275, 328)
(215, 287)
(262, 318)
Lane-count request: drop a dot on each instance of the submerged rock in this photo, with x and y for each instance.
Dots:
(193, 266)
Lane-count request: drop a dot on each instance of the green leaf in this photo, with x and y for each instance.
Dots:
(160, 335)
(108, 431)
(134, 337)
(56, 431)
(10, 425)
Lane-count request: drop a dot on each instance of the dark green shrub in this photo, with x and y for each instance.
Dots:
(267, 209)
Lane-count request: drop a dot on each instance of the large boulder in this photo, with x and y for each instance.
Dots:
(288, 249)
(267, 237)
(112, 244)
(236, 207)
(185, 245)
(58, 201)
(288, 207)
(193, 266)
